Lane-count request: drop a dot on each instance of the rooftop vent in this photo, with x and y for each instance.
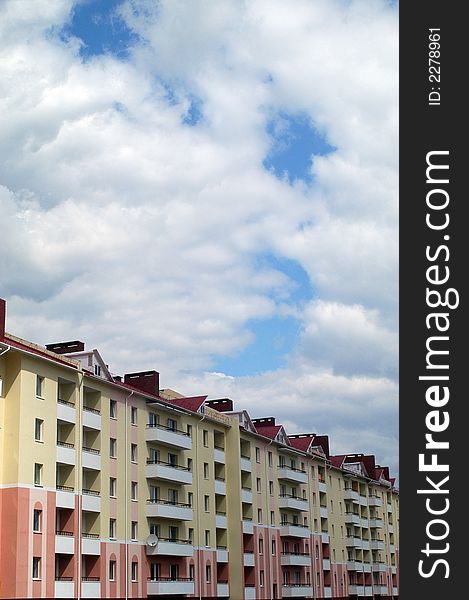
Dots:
(220, 404)
(66, 347)
(264, 422)
(146, 381)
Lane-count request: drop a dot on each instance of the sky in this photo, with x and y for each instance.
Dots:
(210, 190)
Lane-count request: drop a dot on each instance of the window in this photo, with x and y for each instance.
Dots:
(259, 515)
(37, 517)
(152, 419)
(133, 415)
(171, 424)
(207, 538)
(258, 484)
(112, 570)
(112, 529)
(38, 427)
(205, 470)
(274, 547)
(37, 474)
(134, 530)
(258, 455)
(133, 490)
(272, 517)
(113, 447)
(112, 486)
(190, 498)
(313, 472)
(189, 430)
(36, 567)
(113, 411)
(208, 574)
(189, 464)
(270, 459)
(39, 386)
(261, 546)
(205, 438)
(206, 503)
(97, 370)
(261, 578)
(172, 459)
(133, 453)
(134, 570)
(271, 488)
(190, 535)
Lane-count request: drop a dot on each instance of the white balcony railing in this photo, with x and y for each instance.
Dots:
(170, 587)
(291, 474)
(157, 469)
(174, 438)
(293, 503)
(166, 509)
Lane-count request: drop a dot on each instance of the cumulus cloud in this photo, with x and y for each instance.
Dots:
(126, 227)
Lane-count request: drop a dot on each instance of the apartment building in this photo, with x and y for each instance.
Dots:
(111, 487)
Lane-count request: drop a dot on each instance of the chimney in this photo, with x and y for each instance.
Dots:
(66, 347)
(264, 422)
(221, 404)
(146, 381)
(3, 316)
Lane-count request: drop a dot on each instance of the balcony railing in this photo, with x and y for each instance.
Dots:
(90, 579)
(168, 502)
(296, 554)
(286, 523)
(91, 536)
(64, 488)
(65, 444)
(91, 450)
(166, 428)
(176, 540)
(295, 469)
(167, 464)
(170, 579)
(95, 411)
(66, 533)
(66, 402)
(91, 492)
(57, 578)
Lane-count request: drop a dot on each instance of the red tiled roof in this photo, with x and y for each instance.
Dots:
(35, 350)
(269, 431)
(302, 444)
(338, 460)
(192, 403)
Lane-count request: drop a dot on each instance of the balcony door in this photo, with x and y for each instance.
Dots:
(173, 572)
(172, 496)
(154, 571)
(173, 533)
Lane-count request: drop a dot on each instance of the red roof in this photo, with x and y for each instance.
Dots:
(338, 460)
(34, 350)
(192, 403)
(302, 443)
(269, 431)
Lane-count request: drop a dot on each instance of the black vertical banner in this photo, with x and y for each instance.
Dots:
(433, 300)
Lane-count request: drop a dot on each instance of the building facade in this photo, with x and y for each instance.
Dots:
(113, 488)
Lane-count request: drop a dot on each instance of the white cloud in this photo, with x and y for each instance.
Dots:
(123, 226)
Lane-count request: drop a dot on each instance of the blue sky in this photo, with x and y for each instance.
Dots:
(182, 227)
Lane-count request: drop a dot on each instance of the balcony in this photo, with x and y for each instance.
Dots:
(363, 501)
(248, 527)
(352, 518)
(221, 520)
(219, 455)
(64, 542)
(350, 494)
(91, 458)
(91, 418)
(366, 567)
(353, 542)
(296, 590)
(394, 569)
(66, 411)
(395, 591)
(65, 497)
(245, 463)
(158, 469)
(91, 587)
(389, 507)
(382, 590)
(376, 544)
(390, 528)
(248, 559)
(65, 453)
(322, 487)
(91, 501)
(223, 590)
(392, 548)
(368, 591)
(64, 587)
(364, 523)
(354, 565)
(164, 586)
(171, 547)
(378, 567)
(295, 559)
(294, 530)
(220, 487)
(365, 544)
(375, 501)
(327, 591)
(376, 523)
(174, 438)
(356, 590)
(291, 474)
(246, 495)
(326, 564)
(325, 537)
(90, 544)
(323, 512)
(250, 592)
(293, 502)
(166, 509)
(222, 555)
